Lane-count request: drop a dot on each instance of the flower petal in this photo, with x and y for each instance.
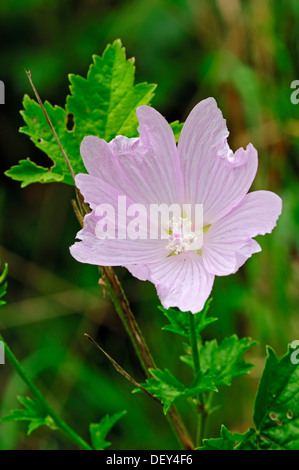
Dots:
(227, 243)
(98, 158)
(114, 252)
(162, 164)
(146, 169)
(182, 281)
(246, 251)
(213, 175)
(141, 271)
(96, 191)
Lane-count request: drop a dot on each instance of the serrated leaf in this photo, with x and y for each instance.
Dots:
(99, 431)
(276, 412)
(231, 441)
(28, 172)
(39, 132)
(165, 386)
(104, 104)
(179, 321)
(33, 412)
(222, 362)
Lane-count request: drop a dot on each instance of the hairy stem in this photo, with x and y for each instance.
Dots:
(39, 396)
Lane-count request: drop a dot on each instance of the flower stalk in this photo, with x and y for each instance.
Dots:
(118, 297)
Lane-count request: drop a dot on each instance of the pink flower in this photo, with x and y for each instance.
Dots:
(151, 169)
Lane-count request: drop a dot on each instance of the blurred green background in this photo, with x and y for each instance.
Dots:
(245, 54)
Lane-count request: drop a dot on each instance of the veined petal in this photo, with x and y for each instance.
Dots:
(141, 271)
(114, 252)
(246, 251)
(98, 158)
(227, 243)
(146, 169)
(162, 164)
(213, 175)
(96, 191)
(182, 281)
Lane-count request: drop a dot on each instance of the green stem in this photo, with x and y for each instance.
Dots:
(201, 413)
(193, 343)
(38, 396)
(202, 418)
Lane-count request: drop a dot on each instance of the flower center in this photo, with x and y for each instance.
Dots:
(181, 236)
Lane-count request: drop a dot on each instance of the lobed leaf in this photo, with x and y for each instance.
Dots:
(33, 412)
(99, 431)
(231, 441)
(103, 104)
(223, 362)
(179, 321)
(165, 386)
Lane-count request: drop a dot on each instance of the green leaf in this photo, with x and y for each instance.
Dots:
(276, 412)
(104, 104)
(176, 126)
(39, 132)
(222, 362)
(231, 441)
(179, 321)
(98, 432)
(165, 386)
(28, 172)
(33, 412)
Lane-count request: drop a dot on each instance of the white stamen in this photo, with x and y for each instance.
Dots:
(181, 236)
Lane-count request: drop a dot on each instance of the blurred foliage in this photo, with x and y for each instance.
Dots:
(245, 54)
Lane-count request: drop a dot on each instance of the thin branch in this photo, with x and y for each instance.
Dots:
(82, 205)
(120, 370)
(77, 212)
(173, 415)
(28, 72)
